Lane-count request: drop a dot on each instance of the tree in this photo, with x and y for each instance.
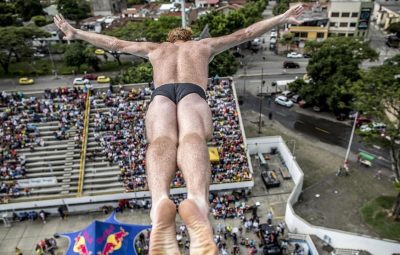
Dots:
(394, 28)
(224, 64)
(75, 56)
(91, 58)
(287, 39)
(280, 7)
(16, 42)
(378, 93)
(142, 72)
(74, 9)
(333, 68)
(8, 15)
(28, 8)
(40, 20)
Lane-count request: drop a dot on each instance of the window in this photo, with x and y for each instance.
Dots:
(354, 14)
(334, 14)
(345, 14)
(303, 34)
(331, 34)
(343, 24)
(320, 35)
(332, 24)
(341, 34)
(297, 34)
(353, 24)
(350, 34)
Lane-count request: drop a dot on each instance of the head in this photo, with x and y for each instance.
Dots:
(179, 34)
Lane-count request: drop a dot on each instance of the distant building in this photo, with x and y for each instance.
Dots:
(349, 17)
(206, 3)
(228, 8)
(314, 26)
(107, 7)
(386, 13)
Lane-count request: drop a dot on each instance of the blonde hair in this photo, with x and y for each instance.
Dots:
(179, 33)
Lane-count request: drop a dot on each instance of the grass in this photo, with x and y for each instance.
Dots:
(376, 214)
(44, 67)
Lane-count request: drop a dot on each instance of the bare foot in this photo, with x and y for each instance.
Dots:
(163, 233)
(199, 227)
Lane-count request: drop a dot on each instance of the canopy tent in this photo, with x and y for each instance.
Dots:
(104, 238)
(214, 155)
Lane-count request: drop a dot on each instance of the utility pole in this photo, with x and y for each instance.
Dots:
(183, 14)
(261, 99)
(244, 81)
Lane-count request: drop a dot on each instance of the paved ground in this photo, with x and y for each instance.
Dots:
(339, 197)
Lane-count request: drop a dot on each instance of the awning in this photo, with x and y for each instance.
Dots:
(366, 156)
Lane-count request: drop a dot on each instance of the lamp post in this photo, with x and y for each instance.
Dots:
(346, 162)
(183, 14)
(244, 81)
(261, 97)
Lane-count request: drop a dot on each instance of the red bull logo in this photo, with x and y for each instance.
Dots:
(114, 242)
(80, 246)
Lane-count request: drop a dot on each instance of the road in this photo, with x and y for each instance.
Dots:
(306, 121)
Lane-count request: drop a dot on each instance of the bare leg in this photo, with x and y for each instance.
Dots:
(161, 129)
(194, 119)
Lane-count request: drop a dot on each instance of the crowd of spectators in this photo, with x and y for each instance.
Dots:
(120, 130)
(46, 246)
(18, 117)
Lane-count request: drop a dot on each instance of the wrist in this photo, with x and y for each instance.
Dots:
(281, 18)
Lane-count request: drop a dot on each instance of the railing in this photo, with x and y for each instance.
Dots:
(84, 144)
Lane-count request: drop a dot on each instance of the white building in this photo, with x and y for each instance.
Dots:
(386, 13)
(107, 7)
(349, 17)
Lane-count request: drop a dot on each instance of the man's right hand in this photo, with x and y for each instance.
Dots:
(291, 16)
(66, 28)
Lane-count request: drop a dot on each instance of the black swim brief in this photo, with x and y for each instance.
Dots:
(176, 91)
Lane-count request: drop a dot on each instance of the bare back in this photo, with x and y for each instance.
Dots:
(181, 62)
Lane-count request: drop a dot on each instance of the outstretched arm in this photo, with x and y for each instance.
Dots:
(141, 49)
(220, 44)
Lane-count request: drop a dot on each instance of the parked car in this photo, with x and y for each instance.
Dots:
(26, 81)
(38, 55)
(99, 52)
(374, 126)
(306, 55)
(81, 81)
(362, 121)
(282, 100)
(290, 64)
(273, 34)
(295, 98)
(90, 76)
(294, 55)
(287, 93)
(103, 79)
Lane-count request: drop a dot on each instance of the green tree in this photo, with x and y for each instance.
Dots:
(394, 28)
(8, 15)
(16, 43)
(280, 7)
(224, 64)
(40, 20)
(333, 68)
(74, 9)
(378, 93)
(75, 56)
(142, 72)
(287, 40)
(28, 8)
(91, 58)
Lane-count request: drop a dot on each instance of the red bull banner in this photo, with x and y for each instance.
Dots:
(104, 238)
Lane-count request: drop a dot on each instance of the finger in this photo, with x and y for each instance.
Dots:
(62, 17)
(55, 18)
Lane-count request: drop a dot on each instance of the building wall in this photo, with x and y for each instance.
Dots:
(312, 33)
(346, 17)
(107, 7)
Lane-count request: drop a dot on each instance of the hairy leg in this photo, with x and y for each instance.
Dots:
(194, 119)
(161, 130)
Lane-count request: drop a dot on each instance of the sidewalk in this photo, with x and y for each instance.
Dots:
(321, 115)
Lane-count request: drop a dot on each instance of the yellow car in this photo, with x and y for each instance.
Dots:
(103, 79)
(99, 52)
(26, 81)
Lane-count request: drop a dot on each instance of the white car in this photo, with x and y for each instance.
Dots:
(81, 81)
(374, 126)
(273, 34)
(294, 55)
(282, 100)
